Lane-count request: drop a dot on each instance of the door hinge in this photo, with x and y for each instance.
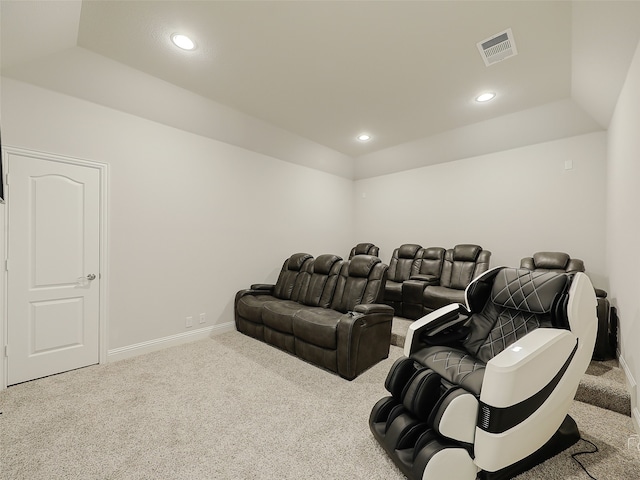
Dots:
(6, 178)
(6, 351)
(6, 265)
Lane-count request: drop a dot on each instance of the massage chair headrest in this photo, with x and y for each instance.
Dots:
(526, 290)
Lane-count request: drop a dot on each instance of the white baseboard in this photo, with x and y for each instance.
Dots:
(633, 390)
(129, 351)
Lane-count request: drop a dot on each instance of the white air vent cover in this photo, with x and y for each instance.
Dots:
(497, 47)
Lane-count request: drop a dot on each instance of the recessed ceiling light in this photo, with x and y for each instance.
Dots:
(183, 41)
(363, 137)
(485, 97)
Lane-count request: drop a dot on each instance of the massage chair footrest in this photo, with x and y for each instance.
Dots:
(415, 448)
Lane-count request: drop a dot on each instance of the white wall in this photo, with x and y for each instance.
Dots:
(192, 220)
(513, 203)
(623, 228)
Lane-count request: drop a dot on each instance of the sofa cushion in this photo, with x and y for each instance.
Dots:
(364, 249)
(466, 253)
(462, 264)
(404, 262)
(408, 250)
(361, 280)
(431, 261)
(551, 260)
(279, 315)
(361, 265)
(249, 307)
(289, 281)
(322, 281)
(317, 326)
(436, 296)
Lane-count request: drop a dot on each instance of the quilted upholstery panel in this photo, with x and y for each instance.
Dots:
(510, 326)
(455, 366)
(525, 290)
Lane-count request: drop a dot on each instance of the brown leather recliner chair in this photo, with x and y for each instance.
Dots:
(606, 340)
(428, 273)
(462, 264)
(364, 249)
(404, 263)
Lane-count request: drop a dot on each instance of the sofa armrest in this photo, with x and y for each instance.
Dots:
(427, 279)
(434, 323)
(263, 286)
(412, 290)
(363, 339)
(369, 308)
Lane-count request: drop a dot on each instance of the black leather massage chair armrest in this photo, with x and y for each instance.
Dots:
(446, 323)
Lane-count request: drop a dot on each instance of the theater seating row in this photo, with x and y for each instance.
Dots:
(422, 280)
(325, 310)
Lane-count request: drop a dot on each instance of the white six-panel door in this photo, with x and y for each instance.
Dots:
(53, 277)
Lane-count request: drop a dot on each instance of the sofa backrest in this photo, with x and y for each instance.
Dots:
(361, 281)
(364, 249)
(290, 282)
(403, 260)
(462, 264)
(321, 282)
(431, 262)
(552, 262)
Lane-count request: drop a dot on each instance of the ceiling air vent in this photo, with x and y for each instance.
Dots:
(498, 47)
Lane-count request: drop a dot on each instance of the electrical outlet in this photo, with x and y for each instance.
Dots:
(189, 322)
(203, 318)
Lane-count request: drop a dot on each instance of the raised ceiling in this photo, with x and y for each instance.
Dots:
(330, 70)
(322, 70)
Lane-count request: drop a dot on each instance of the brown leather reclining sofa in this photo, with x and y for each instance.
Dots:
(327, 311)
(425, 279)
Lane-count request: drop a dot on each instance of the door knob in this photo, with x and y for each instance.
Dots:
(91, 276)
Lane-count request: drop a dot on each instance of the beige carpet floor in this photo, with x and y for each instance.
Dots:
(231, 407)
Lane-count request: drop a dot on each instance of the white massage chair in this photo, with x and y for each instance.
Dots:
(484, 388)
